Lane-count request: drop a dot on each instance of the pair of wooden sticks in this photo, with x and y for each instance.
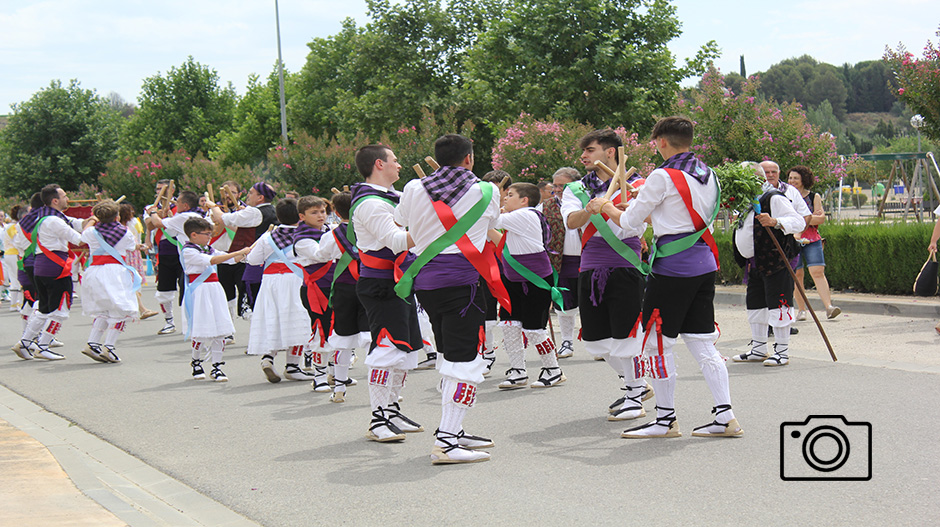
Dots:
(618, 177)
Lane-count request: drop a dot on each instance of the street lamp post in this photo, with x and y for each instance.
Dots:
(280, 75)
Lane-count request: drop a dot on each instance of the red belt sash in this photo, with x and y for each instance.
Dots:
(211, 278)
(384, 265)
(277, 268)
(317, 301)
(104, 259)
(56, 259)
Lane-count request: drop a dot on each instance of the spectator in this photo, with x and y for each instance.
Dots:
(811, 253)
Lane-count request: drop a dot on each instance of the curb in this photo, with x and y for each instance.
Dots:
(129, 488)
(888, 306)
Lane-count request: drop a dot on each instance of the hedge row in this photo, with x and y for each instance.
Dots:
(872, 258)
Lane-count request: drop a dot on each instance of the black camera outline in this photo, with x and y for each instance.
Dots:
(840, 438)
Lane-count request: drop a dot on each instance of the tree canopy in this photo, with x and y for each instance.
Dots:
(61, 134)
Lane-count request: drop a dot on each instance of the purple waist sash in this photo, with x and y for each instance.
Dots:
(597, 254)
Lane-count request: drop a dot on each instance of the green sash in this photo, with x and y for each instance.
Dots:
(351, 231)
(450, 237)
(536, 280)
(624, 250)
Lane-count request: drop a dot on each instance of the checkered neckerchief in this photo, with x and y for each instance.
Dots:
(449, 184)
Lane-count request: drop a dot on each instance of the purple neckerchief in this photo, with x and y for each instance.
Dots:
(28, 223)
(449, 184)
(594, 185)
(688, 163)
(344, 241)
(204, 250)
(283, 235)
(360, 190)
(112, 232)
(546, 232)
(306, 232)
(199, 211)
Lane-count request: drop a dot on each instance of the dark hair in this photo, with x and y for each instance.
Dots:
(35, 201)
(286, 210)
(163, 182)
(496, 176)
(341, 204)
(233, 184)
(527, 190)
(677, 130)
(196, 224)
(14, 211)
(542, 184)
(451, 149)
(806, 175)
(311, 202)
(607, 138)
(188, 197)
(127, 212)
(49, 193)
(367, 156)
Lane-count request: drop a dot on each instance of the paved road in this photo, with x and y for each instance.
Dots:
(283, 455)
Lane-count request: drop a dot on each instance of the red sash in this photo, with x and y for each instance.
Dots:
(590, 229)
(277, 268)
(104, 259)
(317, 301)
(678, 179)
(211, 278)
(384, 265)
(56, 259)
(353, 266)
(483, 261)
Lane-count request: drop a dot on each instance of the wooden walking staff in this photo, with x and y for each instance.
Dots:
(420, 171)
(799, 287)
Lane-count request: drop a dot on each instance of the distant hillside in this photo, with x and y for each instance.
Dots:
(3, 121)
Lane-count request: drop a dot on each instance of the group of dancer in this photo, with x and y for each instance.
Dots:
(460, 253)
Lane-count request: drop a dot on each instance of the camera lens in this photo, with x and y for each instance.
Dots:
(814, 460)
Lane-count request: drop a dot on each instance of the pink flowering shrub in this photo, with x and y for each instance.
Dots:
(742, 127)
(135, 177)
(310, 163)
(919, 83)
(530, 149)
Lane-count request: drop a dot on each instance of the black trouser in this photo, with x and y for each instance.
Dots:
(389, 314)
(457, 317)
(685, 304)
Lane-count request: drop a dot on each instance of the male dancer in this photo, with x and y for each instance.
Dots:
(610, 286)
(446, 283)
(769, 295)
(51, 232)
(681, 200)
(393, 322)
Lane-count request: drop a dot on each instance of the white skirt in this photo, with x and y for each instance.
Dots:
(279, 320)
(106, 292)
(211, 318)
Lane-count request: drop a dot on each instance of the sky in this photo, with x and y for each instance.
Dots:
(113, 45)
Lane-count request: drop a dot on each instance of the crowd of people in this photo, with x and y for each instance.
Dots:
(421, 278)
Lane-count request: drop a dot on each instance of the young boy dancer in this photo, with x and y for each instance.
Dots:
(109, 284)
(279, 321)
(50, 232)
(350, 323)
(529, 280)
(208, 321)
(448, 214)
(681, 199)
(315, 291)
(610, 287)
(393, 321)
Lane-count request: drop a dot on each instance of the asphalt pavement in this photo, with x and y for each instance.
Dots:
(150, 446)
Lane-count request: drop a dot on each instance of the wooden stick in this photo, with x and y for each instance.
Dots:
(607, 170)
(419, 171)
(160, 195)
(345, 188)
(120, 199)
(799, 287)
(252, 246)
(335, 190)
(433, 162)
(622, 169)
(504, 183)
(210, 195)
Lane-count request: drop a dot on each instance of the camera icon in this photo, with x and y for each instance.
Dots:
(825, 447)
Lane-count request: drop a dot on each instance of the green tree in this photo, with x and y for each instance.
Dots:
(186, 109)
(256, 126)
(824, 120)
(600, 61)
(63, 135)
(918, 83)
(375, 77)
